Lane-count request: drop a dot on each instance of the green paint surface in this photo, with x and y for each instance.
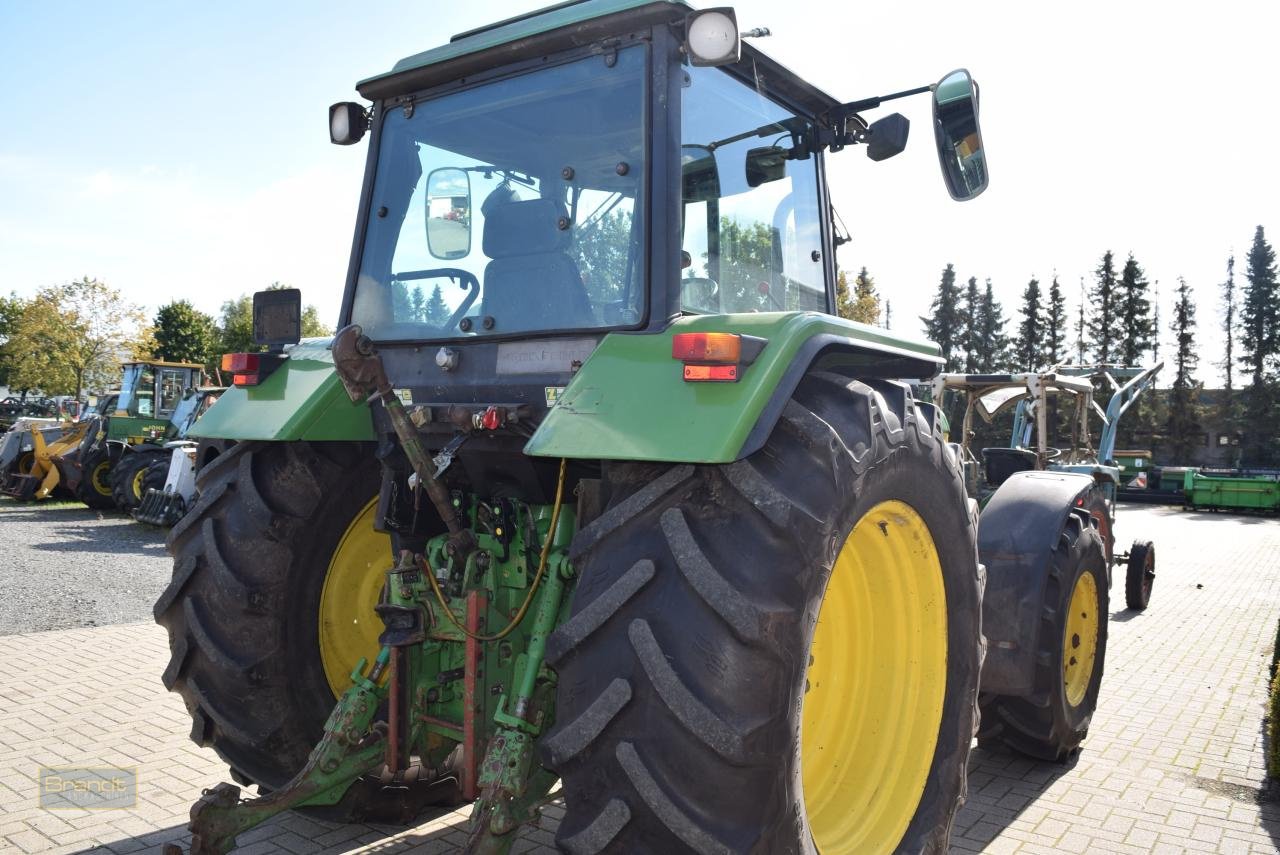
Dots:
(302, 399)
(532, 25)
(630, 401)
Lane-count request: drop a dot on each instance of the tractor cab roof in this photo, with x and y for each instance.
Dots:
(562, 27)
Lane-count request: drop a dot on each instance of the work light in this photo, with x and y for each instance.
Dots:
(711, 37)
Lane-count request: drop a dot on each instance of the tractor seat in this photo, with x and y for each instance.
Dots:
(531, 283)
(1002, 462)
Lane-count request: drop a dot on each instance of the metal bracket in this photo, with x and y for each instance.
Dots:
(444, 458)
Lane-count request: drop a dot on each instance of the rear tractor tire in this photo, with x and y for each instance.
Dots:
(1140, 575)
(777, 655)
(1053, 721)
(270, 605)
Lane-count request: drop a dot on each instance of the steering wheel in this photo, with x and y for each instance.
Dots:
(700, 294)
(1051, 453)
(468, 280)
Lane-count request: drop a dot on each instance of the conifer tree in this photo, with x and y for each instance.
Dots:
(866, 302)
(991, 349)
(1055, 326)
(1080, 327)
(1155, 322)
(942, 325)
(1260, 310)
(1133, 309)
(968, 322)
(1259, 345)
(1103, 321)
(1183, 428)
(436, 311)
(1030, 344)
(418, 304)
(1226, 410)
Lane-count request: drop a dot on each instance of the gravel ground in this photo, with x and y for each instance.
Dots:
(63, 565)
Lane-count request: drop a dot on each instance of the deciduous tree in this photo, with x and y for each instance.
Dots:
(11, 309)
(72, 337)
(183, 333)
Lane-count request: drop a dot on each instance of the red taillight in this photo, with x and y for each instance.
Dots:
(245, 379)
(240, 363)
(725, 348)
(711, 373)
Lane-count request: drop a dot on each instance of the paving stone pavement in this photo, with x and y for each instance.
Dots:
(1174, 761)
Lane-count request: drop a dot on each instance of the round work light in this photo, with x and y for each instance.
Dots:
(711, 37)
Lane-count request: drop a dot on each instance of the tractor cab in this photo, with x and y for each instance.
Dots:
(153, 390)
(603, 171)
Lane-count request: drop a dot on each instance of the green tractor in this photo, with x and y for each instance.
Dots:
(106, 469)
(592, 486)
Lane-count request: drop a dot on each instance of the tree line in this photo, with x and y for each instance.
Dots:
(69, 339)
(1118, 322)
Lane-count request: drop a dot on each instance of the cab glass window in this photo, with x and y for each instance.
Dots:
(752, 235)
(513, 206)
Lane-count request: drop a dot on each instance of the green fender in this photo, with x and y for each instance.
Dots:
(302, 399)
(629, 400)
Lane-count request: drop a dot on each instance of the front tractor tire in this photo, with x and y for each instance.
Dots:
(128, 476)
(1052, 722)
(94, 487)
(243, 609)
(778, 655)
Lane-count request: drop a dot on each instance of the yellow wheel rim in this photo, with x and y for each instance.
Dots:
(349, 627)
(100, 478)
(138, 478)
(26, 463)
(876, 684)
(1080, 639)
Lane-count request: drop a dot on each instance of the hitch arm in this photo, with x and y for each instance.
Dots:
(351, 747)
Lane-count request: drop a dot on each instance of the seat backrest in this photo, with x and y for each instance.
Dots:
(1003, 462)
(531, 283)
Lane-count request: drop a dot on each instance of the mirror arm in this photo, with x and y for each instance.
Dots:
(845, 113)
(872, 103)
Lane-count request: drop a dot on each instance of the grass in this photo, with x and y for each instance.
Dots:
(48, 504)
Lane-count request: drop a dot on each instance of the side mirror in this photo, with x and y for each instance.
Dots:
(449, 213)
(699, 177)
(347, 123)
(955, 125)
(765, 164)
(887, 136)
(277, 317)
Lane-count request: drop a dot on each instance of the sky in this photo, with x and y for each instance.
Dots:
(181, 150)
